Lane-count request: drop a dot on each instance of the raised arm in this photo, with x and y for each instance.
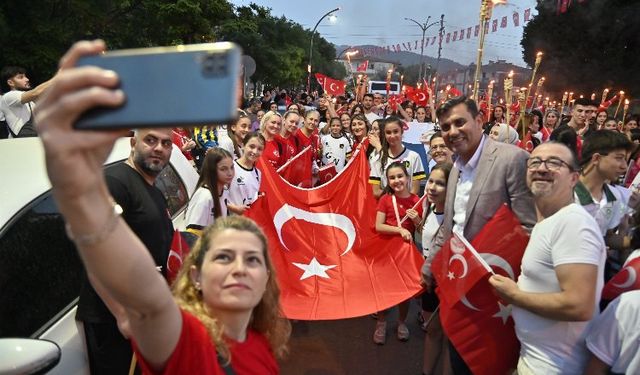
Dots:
(114, 257)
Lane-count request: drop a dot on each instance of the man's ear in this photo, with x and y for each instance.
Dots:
(10, 83)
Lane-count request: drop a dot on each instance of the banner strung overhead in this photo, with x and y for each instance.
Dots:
(516, 20)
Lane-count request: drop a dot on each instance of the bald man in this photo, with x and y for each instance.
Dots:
(144, 208)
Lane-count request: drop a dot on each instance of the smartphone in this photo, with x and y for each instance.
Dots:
(191, 85)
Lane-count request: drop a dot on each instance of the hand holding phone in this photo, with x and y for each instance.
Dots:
(184, 86)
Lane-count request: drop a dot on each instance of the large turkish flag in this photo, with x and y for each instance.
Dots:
(477, 323)
(331, 263)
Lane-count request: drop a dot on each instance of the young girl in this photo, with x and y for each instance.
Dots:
(270, 130)
(392, 207)
(244, 187)
(209, 202)
(335, 145)
(393, 150)
(433, 208)
(289, 128)
(237, 132)
(307, 135)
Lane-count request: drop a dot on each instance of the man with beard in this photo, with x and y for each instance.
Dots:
(17, 104)
(144, 208)
(558, 291)
(367, 104)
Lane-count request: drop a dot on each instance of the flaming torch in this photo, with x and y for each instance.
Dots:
(615, 115)
(508, 86)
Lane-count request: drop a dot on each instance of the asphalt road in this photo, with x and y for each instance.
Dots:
(346, 347)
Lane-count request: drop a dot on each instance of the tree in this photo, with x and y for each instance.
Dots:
(592, 46)
(35, 36)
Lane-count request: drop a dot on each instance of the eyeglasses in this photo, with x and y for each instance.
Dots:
(439, 147)
(552, 164)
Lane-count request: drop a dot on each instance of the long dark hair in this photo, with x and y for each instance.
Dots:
(209, 176)
(384, 152)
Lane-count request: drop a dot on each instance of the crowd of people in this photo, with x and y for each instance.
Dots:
(570, 179)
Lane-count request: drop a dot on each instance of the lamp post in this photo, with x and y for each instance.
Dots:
(423, 26)
(313, 33)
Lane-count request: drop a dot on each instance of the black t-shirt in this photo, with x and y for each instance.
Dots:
(145, 211)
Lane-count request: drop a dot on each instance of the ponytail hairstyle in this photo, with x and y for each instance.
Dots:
(395, 164)
(384, 152)
(209, 176)
(237, 147)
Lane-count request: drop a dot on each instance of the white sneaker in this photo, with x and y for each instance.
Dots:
(403, 332)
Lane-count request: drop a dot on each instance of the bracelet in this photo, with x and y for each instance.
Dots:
(92, 239)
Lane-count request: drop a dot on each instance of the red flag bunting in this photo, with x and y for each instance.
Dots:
(330, 262)
(624, 281)
(479, 325)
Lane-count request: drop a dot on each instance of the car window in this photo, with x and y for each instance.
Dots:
(173, 189)
(40, 270)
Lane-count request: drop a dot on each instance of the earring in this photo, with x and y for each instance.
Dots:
(197, 286)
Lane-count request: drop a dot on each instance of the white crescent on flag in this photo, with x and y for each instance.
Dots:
(630, 280)
(287, 212)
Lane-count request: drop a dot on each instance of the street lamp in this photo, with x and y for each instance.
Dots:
(313, 33)
(423, 26)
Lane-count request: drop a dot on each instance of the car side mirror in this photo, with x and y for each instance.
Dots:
(28, 356)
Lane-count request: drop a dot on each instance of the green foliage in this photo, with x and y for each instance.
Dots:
(35, 36)
(593, 45)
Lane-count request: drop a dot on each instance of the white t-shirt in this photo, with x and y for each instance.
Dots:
(570, 235)
(15, 113)
(412, 161)
(371, 117)
(200, 212)
(227, 144)
(610, 210)
(429, 231)
(245, 185)
(335, 150)
(614, 336)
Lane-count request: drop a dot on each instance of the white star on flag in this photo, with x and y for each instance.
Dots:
(503, 312)
(451, 276)
(314, 268)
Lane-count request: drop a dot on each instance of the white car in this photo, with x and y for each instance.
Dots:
(40, 270)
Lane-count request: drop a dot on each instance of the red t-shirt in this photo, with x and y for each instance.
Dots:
(273, 153)
(196, 354)
(289, 147)
(304, 141)
(385, 205)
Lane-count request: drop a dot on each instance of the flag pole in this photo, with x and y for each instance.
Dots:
(475, 253)
(419, 202)
(293, 158)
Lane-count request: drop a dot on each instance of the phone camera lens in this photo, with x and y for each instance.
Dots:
(214, 65)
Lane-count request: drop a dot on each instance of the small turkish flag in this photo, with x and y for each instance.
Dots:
(419, 96)
(362, 67)
(476, 322)
(333, 87)
(178, 252)
(326, 173)
(624, 281)
(330, 262)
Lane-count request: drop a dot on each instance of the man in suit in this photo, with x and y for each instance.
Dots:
(486, 175)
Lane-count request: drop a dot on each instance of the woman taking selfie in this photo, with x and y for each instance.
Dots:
(224, 308)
